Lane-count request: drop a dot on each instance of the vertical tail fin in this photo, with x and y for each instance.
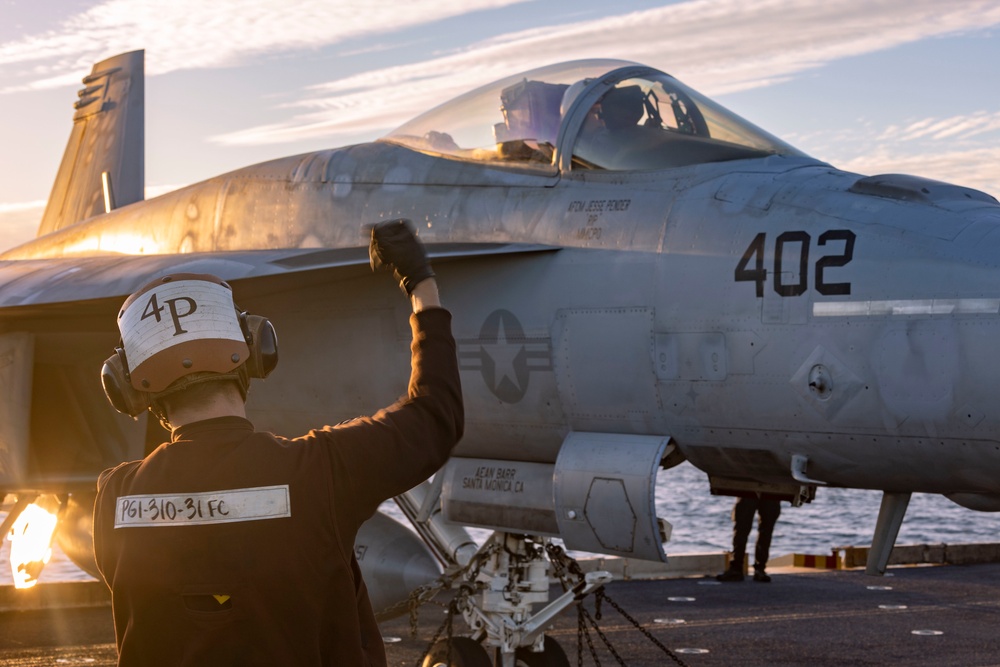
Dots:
(103, 166)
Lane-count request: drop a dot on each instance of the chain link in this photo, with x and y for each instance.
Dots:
(430, 644)
(417, 597)
(454, 608)
(604, 638)
(563, 566)
(414, 611)
(600, 594)
(582, 631)
(446, 627)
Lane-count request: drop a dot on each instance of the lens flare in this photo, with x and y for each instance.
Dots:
(30, 544)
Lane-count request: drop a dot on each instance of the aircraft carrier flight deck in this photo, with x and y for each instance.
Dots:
(917, 615)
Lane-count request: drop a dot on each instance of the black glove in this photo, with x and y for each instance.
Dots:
(394, 247)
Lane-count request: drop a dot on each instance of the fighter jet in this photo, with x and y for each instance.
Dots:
(638, 277)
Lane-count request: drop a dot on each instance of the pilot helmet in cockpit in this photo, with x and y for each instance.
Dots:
(622, 108)
(618, 108)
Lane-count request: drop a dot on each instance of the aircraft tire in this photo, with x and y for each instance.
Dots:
(552, 656)
(465, 652)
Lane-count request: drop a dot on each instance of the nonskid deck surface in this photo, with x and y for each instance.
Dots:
(932, 615)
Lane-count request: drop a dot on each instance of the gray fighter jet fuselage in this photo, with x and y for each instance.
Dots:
(752, 310)
(702, 290)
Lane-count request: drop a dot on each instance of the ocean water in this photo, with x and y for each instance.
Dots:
(701, 523)
(836, 518)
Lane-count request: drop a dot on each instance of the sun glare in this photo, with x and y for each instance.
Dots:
(30, 545)
(126, 244)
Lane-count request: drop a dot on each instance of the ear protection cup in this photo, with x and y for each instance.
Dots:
(263, 343)
(261, 339)
(118, 386)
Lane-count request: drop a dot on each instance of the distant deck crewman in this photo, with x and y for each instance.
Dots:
(743, 512)
(229, 546)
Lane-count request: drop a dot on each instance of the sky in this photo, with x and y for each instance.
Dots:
(870, 86)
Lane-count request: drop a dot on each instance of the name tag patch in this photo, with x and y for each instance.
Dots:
(193, 509)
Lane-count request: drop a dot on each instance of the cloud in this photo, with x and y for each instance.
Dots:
(954, 127)
(960, 149)
(718, 46)
(19, 222)
(22, 207)
(973, 167)
(190, 34)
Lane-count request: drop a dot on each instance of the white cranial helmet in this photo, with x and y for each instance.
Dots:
(178, 325)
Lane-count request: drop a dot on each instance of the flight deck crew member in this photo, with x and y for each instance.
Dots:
(743, 512)
(228, 546)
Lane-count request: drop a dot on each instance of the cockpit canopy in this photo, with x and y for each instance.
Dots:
(587, 114)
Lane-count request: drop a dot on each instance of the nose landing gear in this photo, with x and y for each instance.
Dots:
(501, 588)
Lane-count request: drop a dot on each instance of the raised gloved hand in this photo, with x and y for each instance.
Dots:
(395, 247)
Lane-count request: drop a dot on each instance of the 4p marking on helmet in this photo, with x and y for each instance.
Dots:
(153, 309)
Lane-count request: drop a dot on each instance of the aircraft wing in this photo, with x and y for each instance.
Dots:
(29, 284)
